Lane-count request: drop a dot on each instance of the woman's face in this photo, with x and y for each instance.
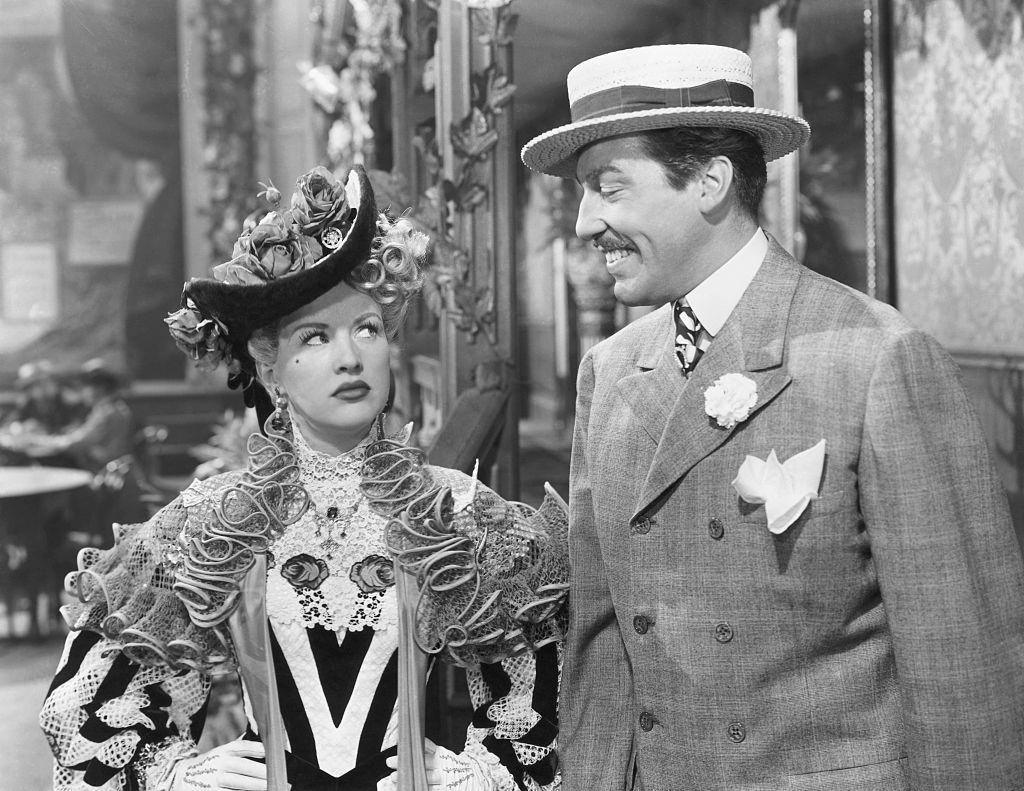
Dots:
(332, 364)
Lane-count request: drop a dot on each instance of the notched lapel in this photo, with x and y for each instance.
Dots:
(752, 343)
(652, 394)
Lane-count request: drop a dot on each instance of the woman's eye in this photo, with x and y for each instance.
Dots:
(370, 329)
(313, 337)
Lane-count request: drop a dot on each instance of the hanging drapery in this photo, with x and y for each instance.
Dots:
(122, 62)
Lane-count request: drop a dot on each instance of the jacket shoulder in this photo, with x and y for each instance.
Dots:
(635, 335)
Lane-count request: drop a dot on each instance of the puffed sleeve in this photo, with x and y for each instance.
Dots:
(112, 723)
(129, 696)
(491, 578)
(511, 742)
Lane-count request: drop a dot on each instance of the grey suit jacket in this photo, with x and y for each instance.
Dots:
(878, 643)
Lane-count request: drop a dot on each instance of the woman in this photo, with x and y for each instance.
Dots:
(282, 570)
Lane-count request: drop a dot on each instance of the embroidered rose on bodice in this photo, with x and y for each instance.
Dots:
(373, 574)
(305, 571)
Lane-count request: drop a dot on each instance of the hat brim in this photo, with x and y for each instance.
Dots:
(243, 308)
(555, 152)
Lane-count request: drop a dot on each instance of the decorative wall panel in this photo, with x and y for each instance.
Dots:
(958, 114)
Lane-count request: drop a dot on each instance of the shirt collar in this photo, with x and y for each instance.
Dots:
(715, 297)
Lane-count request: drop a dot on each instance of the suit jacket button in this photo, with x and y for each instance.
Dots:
(723, 632)
(715, 528)
(737, 732)
(641, 623)
(646, 721)
(643, 526)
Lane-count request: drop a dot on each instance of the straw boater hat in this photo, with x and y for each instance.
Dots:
(635, 90)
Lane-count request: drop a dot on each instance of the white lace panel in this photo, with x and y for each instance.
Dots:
(334, 572)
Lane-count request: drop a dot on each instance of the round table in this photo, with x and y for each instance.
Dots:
(29, 481)
(33, 524)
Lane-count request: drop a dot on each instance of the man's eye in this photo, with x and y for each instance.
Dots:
(608, 192)
(313, 337)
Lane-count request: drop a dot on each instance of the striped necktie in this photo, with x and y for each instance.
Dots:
(691, 341)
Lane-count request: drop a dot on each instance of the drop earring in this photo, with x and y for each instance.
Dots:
(279, 418)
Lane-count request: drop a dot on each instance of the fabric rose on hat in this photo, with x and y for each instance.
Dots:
(373, 574)
(319, 201)
(270, 250)
(201, 338)
(305, 571)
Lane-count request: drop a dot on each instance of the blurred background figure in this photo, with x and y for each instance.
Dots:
(104, 432)
(42, 407)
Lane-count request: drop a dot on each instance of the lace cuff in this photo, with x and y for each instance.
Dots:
(156, 762)
(492, 575)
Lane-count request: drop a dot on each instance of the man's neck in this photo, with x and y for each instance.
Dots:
(722, 244)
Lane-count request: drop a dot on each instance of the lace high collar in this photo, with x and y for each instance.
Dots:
(319, 466)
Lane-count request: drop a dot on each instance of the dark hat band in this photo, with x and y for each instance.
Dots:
(634, 98)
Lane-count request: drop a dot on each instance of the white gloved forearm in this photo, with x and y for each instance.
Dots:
(474, 769)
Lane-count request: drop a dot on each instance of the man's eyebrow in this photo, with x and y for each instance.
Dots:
(595, 173)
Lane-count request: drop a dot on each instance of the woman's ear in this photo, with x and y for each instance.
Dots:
(265, 373)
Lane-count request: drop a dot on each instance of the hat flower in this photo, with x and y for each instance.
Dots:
(203, 339)
(320, 207)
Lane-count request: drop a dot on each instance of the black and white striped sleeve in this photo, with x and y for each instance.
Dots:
(114, 724)
(511, 742)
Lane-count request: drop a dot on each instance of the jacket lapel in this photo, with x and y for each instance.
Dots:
(752, 342)
(651, 392)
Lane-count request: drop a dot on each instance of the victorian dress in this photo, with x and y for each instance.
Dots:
(301, 542)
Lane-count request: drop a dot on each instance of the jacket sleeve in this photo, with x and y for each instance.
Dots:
(949, 569)
(595, 677)
(129, 696)
(511, 741)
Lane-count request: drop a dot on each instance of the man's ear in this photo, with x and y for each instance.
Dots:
(715, 185)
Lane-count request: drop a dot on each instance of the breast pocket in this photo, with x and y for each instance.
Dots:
(884, 776)
(825, 505)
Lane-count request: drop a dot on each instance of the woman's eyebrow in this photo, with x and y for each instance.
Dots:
(291, 329)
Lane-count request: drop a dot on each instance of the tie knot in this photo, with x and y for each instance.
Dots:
(690, 344)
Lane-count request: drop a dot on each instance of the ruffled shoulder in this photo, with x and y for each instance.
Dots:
(232, 519)
(126, 594)
(492, 574)
(164, 592)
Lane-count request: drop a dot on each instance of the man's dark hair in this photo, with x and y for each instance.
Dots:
(684, 150)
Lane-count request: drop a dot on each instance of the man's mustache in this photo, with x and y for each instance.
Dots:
(609, 240)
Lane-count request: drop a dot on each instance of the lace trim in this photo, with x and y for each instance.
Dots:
(332, 572)
(492, 578)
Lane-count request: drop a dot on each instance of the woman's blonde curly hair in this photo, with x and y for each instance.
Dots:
(391, 276)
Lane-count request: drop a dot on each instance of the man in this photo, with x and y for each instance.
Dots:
(792, 561)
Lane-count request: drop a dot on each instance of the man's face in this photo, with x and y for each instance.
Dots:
(647, 229)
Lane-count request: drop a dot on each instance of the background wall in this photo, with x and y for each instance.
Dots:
(958, 114)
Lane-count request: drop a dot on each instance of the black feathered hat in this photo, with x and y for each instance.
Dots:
(282, 261)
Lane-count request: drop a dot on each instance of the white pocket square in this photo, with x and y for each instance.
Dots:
(786, 488)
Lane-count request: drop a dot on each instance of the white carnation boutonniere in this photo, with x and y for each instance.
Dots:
(730, 399)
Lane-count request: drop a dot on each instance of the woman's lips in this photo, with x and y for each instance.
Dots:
(352, 391)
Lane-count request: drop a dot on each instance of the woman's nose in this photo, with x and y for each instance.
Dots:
(588, 223)
(346, 353)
